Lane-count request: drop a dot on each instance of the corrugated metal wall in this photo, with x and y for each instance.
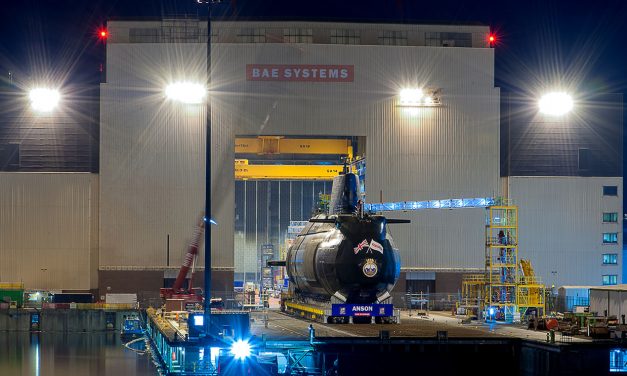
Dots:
(263, 211)
(561, 227)
(586, 143)
(65, 140)
(48, 229)
(152, 154)
(152, 157)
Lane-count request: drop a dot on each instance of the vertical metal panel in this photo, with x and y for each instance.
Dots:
(47, 237)
(599, 301)
(561, 228)
(586, 143)
(152, 156)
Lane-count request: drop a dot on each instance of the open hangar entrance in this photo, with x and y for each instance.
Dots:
(280, 182)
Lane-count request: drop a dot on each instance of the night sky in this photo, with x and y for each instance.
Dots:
(579, 45)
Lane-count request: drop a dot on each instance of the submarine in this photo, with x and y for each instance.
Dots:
(344, 263)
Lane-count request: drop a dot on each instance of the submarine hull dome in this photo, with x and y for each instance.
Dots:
(355, 257)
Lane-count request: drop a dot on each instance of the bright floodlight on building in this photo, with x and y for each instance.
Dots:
(411, 97)
(556, 104)
(240, 349)
(186, 92)
(44, 99)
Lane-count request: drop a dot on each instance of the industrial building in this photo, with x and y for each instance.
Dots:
(329, 84)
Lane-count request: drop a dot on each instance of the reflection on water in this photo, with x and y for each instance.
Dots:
(70, 354)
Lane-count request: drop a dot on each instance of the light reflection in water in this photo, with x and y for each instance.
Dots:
(23, 353)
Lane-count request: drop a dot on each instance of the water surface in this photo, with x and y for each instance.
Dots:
(70, 354)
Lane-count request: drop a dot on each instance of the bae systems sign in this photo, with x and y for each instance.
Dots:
(311, 73)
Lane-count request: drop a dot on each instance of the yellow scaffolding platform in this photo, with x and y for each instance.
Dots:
(501, 261)
(512, 289)
(531, 291)
(509, 289)
(471, 302)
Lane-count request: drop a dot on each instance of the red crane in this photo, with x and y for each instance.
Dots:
(177, 291)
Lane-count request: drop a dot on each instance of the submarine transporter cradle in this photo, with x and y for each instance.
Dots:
(343, 265)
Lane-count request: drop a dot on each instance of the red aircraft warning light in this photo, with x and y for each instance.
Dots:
(103, 34)
(492, 39)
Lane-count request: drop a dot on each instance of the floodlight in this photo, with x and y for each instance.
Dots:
(240, 349)
(199, 320)
(555, 104)
(411, 97)
(44, 99)
(186, 92)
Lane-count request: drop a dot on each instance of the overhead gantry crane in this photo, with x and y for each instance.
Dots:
(275, 145)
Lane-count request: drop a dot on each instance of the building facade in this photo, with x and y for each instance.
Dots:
(294, 79)
(332, 80)
(565, 173)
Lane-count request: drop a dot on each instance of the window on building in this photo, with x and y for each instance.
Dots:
(248, 35)
(610, 237)
(295, 35)
(144, 35)
(610, 217)
(393, 38)
(437, 39)
(610, 279)
(610, 258)
(610, 190)
(345, 36)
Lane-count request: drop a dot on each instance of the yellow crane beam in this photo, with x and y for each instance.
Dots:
(245, 171)
(280, 145)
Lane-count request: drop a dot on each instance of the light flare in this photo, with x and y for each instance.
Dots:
(44, 99)
(556, 104)
(186, 92)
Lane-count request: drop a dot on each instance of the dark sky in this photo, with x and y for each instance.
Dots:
(577, 43)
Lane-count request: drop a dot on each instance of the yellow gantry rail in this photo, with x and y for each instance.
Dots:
(285, 172)
(280, 145)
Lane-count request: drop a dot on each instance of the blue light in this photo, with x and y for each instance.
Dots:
(199, 320)
(491, 310)
(210, 221)
(240, 349)
(480, 202)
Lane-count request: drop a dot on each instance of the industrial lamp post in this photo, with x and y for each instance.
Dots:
(207, 285)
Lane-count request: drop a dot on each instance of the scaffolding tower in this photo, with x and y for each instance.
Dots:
(501, 262)
(472, 299)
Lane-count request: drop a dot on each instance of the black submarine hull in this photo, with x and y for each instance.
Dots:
(347, 256)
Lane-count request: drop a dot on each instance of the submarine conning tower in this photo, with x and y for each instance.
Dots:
(344, 193)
